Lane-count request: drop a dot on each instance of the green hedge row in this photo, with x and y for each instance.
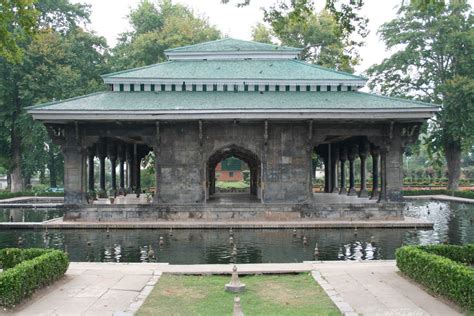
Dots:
(463, 194)
(462, 254)
(26, 270)
(429, 266)
(9, 195)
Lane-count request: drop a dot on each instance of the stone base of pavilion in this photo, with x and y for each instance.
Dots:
(323, 207)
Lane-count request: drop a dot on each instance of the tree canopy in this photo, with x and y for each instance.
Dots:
(157, 27)
(60, 60)
(433, 62)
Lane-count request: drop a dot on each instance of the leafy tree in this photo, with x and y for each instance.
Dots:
(260, 33)
(17, 21)
(157, 27)
(60, 61)
(329, 38)
(325, 40)
(433, 62)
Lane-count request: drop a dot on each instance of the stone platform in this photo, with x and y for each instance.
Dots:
(59, 223)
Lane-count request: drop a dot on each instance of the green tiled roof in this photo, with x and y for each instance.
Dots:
(285, 69)
(175, 101)
(230, 44)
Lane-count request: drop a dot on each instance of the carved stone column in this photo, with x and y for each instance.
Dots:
(353, 151)
(74, 164)
(383, 175)
(112, 151)
(363, 151)
(375, 153)
(90, 177)
(121, 156)
(334, 161)
(130, 168)
(138, 176)
(343, 158)
(102, 153)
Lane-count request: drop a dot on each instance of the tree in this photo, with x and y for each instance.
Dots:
(17, 21)
(60, 61)
(157, 28)
(433, 62)
(329, 38)
(326, 37)
(260, 33)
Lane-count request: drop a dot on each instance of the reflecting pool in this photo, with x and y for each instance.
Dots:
(453, 223)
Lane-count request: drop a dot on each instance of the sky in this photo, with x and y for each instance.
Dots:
(108, 19)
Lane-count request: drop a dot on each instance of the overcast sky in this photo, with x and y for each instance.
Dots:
(109, 19)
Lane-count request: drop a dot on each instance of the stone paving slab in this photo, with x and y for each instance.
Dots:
(377, 288)
(368, 288)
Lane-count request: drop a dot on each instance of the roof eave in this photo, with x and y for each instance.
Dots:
(180, 115)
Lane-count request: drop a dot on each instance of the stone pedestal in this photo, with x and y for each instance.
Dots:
(235, 286)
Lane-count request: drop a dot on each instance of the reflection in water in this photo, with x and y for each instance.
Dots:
(453, 224)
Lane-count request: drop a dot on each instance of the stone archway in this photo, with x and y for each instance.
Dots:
(243, 154)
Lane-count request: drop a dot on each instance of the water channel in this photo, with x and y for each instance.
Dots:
(453, 223)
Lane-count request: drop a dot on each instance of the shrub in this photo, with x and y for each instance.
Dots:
(462, 194)
(27, 270)
(9, 195)
(440, 274)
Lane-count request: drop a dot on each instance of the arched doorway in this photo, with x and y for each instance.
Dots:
(253, 163)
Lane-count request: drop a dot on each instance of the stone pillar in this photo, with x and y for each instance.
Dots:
(130, 176)
(353, 151)
(325, 157)
(101, 153)
(334, 160)
(90, 177)
(343, 158)
(383, 175)
(394, 166)
(138, 174)
(363, 151)
(74, 168)
(112, 152)
(121, 157)
(375, 152)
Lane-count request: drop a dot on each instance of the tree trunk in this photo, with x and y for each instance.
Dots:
(15, 167)
(452, 152)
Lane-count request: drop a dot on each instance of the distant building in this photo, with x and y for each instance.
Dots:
(230, 169)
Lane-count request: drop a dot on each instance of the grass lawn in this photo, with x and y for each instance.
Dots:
(295, 294)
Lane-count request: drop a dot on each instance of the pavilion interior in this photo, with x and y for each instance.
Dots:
(344, 170)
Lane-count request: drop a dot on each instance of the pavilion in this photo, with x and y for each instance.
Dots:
(231, 98)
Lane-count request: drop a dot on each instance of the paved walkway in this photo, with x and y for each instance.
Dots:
(377, 288)
(368, 288)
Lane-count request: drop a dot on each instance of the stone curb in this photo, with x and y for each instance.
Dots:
(59, 224)
(335, 297)
(140, 299)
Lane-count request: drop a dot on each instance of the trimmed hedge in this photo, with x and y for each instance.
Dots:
(27, 270)
(432, 267)
(9, 195)
(462, 194)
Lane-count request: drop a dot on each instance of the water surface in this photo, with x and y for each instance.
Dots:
(453, 223)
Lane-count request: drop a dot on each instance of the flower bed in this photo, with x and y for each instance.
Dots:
(444, 269)
(26, 270)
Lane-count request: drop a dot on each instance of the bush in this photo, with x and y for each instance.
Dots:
(462, 194)
(444, 276)
(462, 254)
(27, 270)
(9, 195)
